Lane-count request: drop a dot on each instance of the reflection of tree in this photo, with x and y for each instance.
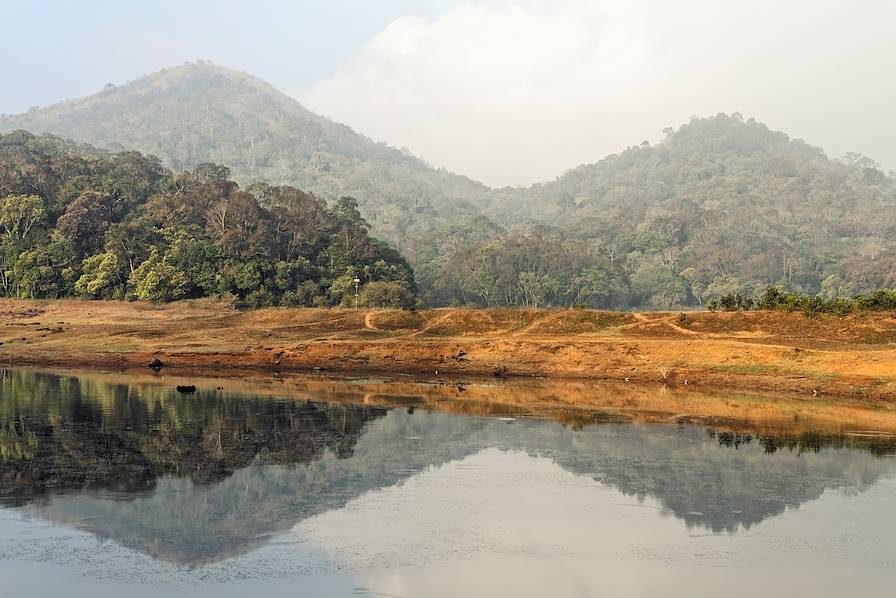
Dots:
(57, 435)
(199, 478)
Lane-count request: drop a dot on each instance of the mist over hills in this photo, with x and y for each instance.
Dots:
(722, 204)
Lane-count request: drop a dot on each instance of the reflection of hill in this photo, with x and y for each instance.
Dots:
(701, 478)
(199, 478)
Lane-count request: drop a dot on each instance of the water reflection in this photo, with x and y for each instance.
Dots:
(194, 479)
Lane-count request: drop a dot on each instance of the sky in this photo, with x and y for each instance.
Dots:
(507, 92)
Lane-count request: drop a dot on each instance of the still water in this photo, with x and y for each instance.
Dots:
(112, 487)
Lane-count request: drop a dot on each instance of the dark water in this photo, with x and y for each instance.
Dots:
(107, 488)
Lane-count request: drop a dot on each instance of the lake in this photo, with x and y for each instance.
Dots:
(326, 487)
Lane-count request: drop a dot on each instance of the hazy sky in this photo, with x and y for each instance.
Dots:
(508, 92)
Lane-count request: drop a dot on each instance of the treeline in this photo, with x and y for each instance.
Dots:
(534, 267)
(78, 222)
(547, 266)
(775, 299)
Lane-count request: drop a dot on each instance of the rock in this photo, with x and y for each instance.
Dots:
(186, 389)
(155, 364)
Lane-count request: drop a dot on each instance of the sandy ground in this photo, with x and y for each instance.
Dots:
(854, 356)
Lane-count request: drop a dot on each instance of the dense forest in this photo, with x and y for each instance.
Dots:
(721, 206)
(79, 222)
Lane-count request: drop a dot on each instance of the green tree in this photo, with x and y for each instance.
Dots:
(103, 277)
(392, 295)
(157, 281)
(20, 214)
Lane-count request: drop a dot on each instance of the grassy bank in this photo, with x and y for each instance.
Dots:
(852, 355)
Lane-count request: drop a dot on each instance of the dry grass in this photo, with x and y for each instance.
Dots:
(852, 356)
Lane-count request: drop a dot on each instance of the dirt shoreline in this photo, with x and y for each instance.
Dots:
(852, 357)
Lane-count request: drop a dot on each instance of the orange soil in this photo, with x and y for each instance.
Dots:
(851, 356)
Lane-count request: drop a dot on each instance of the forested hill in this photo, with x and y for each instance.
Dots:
(199, 113)
(722, 205)
(75, 221)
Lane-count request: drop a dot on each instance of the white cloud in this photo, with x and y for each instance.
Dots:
(517, 92)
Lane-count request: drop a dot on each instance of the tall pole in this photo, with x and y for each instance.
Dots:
(357, 304)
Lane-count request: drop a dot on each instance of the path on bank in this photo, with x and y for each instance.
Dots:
(774, 350)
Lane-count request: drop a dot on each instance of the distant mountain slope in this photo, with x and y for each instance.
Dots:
(197, 113)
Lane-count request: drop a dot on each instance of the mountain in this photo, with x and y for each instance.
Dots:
(721, 205)
(197, 113)
(724, 205)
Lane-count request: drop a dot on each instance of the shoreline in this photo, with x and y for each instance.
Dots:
(851, 357)
(573, 403)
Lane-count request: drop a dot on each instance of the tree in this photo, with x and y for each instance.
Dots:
(659, 286)
(341, 290)
(85, 221)
(240, 226)
(20, 214)
(591, 285)
(132, 241)
(45, 271)
(157, 281)
(392, 295)
(200, 261)
(103, 277)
